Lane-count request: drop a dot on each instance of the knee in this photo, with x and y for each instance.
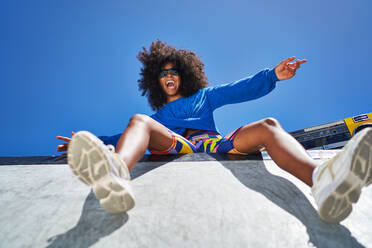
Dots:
(139, 119)
(270, 124)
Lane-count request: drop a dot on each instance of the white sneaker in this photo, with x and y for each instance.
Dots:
(96, 164)
(337, 183)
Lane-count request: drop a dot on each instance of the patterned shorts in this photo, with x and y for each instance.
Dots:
(209, 142)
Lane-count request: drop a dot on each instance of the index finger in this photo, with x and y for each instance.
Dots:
(64, 138)
(302, 61)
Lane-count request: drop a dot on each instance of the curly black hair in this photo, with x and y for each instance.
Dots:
(188, 64)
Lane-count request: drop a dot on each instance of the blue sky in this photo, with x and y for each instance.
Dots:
(71, 65)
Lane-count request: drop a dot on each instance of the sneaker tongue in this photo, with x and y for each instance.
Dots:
(122, 167)
(315, 174)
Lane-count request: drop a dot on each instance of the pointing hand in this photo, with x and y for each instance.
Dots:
(64, 147)
(286, 70)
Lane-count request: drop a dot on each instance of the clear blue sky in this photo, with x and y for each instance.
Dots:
(71, 65)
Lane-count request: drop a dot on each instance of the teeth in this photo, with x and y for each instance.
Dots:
(169, 82)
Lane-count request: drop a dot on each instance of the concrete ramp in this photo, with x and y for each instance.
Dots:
(193, 201)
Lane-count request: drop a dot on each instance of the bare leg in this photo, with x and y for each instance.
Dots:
(141, 133)
(285, 151)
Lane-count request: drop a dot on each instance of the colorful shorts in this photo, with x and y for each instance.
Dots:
(209, 142)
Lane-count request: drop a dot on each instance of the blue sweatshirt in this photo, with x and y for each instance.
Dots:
(196, 111)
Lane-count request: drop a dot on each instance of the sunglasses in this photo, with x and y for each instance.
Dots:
(172, 71)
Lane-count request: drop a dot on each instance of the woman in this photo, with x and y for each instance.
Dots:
(176, 86)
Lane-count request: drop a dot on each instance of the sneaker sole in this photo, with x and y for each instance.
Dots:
(338, 205)
(90, 162)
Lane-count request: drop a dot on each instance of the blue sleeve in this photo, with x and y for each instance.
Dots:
(245, 89)
(110, 140)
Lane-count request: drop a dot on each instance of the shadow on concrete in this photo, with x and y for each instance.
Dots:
(286, 195)
(150, 162)
(94, 224)
(144, 167)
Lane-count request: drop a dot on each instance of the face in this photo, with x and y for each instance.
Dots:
(170, 81)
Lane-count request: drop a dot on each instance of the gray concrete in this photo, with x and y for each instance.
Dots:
(178, 204)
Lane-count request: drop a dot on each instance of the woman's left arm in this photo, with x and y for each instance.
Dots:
(252, 87)
(286, 70)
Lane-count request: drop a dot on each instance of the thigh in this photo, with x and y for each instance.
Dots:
(164, 141)
(248, 138)
(144, 129)
(161, 137)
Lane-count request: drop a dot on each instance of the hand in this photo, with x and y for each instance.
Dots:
(286, 70)
(64, 147)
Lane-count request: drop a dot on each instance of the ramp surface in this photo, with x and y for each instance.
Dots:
(192, 201)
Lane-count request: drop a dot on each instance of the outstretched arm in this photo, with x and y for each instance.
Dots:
(252, 87)
(286, 70)
(243, 90)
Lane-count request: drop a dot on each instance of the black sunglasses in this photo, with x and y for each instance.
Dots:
(164, 72)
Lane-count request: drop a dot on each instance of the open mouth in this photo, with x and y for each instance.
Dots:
(170, 84)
